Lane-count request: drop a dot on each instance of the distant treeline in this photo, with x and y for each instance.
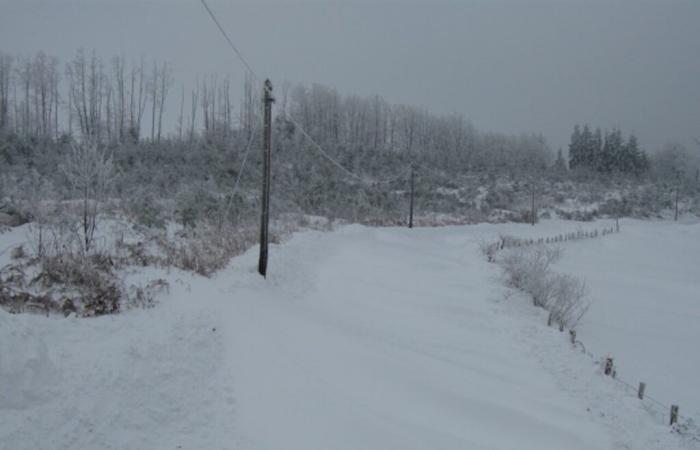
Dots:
(607, 152)
(195, 160)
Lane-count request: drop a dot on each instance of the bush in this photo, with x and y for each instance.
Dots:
(526, 268)
(567, 301)
(146, 210)
(195, 204)
(18, 252)
(529, 269)
(208, 248)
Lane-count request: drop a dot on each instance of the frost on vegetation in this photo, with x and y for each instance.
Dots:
(529, 269)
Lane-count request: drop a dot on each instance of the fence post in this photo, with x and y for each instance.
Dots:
(674, 414)
(549, 320)
(640, 391)
(572, 333)
(608, 366)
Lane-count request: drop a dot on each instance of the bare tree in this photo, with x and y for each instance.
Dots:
(5, 76)
(165, 81)
(86, 88)
(137, 100)
(153, 85)
(181, 115)
(194, 105)
(24, 75)
(248, 106)
(90, 171)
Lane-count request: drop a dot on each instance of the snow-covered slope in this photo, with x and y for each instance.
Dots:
(361, 338)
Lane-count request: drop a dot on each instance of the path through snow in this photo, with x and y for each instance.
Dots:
(361, 338)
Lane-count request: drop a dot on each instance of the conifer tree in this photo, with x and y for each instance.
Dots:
(575, 148)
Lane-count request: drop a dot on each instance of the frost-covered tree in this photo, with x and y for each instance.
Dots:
(89, 170)
(559, 166)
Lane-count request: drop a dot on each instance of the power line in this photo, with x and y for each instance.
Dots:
(301, 129)
(228, 39)
(240, 172)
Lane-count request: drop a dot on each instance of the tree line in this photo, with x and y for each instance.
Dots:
(116, 101)
(198, 152)
(606, 152)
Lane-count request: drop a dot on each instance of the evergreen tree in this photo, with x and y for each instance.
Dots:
(618, 151)
(575, 148)
(560, 163)
(587, 150)
(597, 149)
(631, 155)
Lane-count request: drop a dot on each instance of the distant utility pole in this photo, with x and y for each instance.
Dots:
(267, 142)
(410, 216)
(532, 211)
(677, 189)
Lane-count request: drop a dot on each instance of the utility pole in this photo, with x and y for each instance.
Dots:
(677, 189)
(267, 142)
(410, 216)
(532, 212)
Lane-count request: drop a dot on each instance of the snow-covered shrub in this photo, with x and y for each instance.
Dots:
(144, 209)
(144, 296)
(529, 269)
(579, 215)
(489, 250)
(208, 248)
(64, 284)
(567, 300)
(18, 252)
(195, 203)
(56, 235)
(523, 216)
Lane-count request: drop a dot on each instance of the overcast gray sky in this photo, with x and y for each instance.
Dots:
(506, 65)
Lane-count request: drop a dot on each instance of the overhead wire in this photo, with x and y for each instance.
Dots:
(251, 138)
(297, 125)
(318, 147)
(228, 39)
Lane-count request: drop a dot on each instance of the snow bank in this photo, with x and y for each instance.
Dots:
(25, 367)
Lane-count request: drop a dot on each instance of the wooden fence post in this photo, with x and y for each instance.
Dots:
(640, 391)
(608, 366)
(674, 414)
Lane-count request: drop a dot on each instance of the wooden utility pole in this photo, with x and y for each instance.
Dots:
(676, 216)
(410, 216)
(267, 142)
(532, 212)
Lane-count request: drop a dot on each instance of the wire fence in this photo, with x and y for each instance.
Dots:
(681, 423)
(667, 414)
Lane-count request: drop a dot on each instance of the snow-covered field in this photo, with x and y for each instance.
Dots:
(364, 338)
(645, 283)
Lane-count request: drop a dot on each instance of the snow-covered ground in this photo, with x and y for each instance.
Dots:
(645, 283)
(360, 338)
